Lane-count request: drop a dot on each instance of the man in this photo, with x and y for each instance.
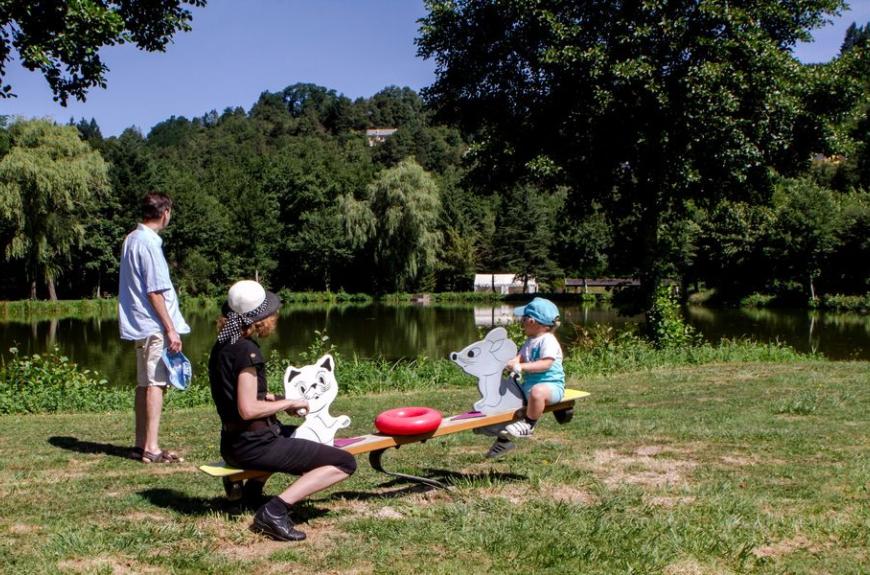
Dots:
(148, 314)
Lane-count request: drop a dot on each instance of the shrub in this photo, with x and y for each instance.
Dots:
(665, 322)
(50, 382)
(757, 300)
(841, 302)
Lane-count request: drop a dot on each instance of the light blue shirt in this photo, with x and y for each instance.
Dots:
(144, 270)
(544, 346)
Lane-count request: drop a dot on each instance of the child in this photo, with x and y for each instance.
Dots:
(539, 362)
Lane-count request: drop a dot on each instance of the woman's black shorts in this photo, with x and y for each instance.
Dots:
(273, 449)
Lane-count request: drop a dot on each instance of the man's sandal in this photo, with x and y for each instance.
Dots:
(164, 456)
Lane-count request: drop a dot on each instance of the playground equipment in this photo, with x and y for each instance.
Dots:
(500, 404)
(408, 421)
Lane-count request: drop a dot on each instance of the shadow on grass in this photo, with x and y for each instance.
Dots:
(488, 477)
(76, 444)
(445, 476)
(187, 505)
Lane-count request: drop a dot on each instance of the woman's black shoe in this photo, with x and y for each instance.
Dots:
(275, 526)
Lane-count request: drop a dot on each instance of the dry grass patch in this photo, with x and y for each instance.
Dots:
(429, 497)
(643, 467)
(738, 460)
(24, 529)
(255, 549)
(118, 566)
(573, 495)
(692, 567)
(387, 512)
(788, 546)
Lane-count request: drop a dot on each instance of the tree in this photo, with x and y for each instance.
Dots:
(399, 220)
(584, 244)
(62, 39)
(730, 249)
(394, 107)
(321, 109)
(805, 235)
(48, 182)
(524, 233)
(640, 105)
(855, 36)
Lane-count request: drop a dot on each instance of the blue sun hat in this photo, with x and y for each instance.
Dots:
(179, 368)
(541, 310)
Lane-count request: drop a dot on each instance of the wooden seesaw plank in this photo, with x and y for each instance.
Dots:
(378, 442)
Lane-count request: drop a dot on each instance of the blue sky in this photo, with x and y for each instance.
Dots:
(355, 47)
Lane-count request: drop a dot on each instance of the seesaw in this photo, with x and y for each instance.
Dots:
(501, 400)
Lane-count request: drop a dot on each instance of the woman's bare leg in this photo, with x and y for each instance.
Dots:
(312, 482)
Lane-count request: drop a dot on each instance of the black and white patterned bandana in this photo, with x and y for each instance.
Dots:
(236, 322)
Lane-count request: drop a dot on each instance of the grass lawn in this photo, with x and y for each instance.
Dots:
(722, 468)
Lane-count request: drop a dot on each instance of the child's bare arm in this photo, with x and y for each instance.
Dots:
(538, 365)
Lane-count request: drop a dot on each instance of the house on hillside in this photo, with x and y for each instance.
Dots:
(379, 135)
(503, 283)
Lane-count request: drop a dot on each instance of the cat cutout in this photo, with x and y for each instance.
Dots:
(317, 384)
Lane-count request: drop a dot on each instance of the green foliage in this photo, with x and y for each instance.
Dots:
(731, 246)
(399, 220)
(805, 402)
(582, 246)
(840, 302)
(320, 346)
(63, 40)
(855, 36)
(805, 234)
(32, 310)
(526, 232)
(665, 322)
(757, 300)
(290, 297)
(473, 296)
(638, 107)
(49, 183)
(286, 192)
(50, 383)
(604, 351)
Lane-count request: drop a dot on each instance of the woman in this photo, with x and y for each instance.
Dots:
(251, 436)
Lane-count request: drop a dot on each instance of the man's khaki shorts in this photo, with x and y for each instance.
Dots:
(150, 369)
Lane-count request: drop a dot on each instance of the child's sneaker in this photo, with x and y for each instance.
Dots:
(521, 428)
(499, 448)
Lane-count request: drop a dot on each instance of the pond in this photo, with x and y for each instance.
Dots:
(406, 331)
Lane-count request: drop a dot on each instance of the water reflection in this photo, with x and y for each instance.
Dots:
(835, 335)
(403, 331)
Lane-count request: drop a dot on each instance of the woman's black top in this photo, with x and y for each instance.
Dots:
(270, 447)
(226, 362)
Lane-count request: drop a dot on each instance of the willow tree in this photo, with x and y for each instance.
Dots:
(637, 106)
(48, 183)
(398, 222)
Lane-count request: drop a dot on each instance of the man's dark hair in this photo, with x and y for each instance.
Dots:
(154, 204)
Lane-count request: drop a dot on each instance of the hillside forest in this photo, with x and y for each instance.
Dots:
(740, 182)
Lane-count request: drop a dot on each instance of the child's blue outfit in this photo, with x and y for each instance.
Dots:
(542, 347)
